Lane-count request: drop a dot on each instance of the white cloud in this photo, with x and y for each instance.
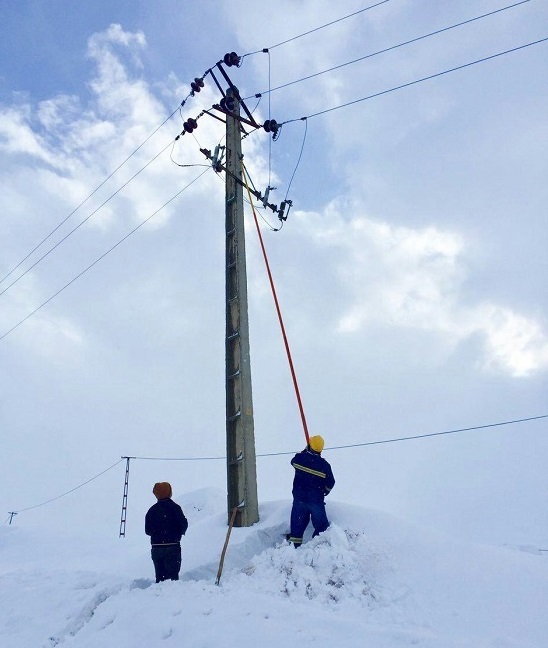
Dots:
(47, 334)
(514, 342)
(17, 136)
(413, 278)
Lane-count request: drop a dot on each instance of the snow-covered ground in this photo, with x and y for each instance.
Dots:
(370, 580)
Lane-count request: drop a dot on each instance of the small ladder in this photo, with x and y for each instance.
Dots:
(124, 501)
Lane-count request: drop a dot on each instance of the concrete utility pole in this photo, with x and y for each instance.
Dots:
(240, 438)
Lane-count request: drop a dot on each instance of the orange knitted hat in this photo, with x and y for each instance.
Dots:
(162, 490)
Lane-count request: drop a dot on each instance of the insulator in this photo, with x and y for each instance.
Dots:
(228, 104)
(199, 81)
(231, 58)
(286, 204)
(190, 125)
(271, 126)
(195, 87)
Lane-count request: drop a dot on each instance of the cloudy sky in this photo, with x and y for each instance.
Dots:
(411, 270)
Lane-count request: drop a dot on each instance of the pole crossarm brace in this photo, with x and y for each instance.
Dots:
(236, 94)
(239, 117)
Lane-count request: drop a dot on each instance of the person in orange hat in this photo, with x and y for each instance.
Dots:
(312, 482)
(166, 524)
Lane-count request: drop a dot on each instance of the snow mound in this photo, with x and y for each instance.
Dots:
(202, 503)
(370, 579)
(335, 567)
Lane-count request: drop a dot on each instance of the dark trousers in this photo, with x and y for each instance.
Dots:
(167, 561)
(301, 514)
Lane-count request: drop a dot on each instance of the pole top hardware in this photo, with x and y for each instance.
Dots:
(282, 211)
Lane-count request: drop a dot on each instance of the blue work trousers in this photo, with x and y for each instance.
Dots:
(167, 561)
(301, 514)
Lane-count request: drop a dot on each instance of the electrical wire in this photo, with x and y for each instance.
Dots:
(359, 445)
(298, 160)
(410, 83)
(103, 255)
(184, 166)
(29, 508)
(84, 221)
(276, 454)
(388, 49)
(269, 116)
(88, 197)
(183, 102)
(311, 31)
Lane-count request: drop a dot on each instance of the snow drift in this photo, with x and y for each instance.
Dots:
(371, 579)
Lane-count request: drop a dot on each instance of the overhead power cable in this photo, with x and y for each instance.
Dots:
(275, 454)
(311, 31)
(67, 492)
(410, 83)
(83, 221)
(433, 434)
(359, 445)
(298, 160)
(183, 102)
(392, 47)
(103, 255)
(88, 197)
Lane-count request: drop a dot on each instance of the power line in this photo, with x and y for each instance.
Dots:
(275, 454)
(67, 492)
(311, 31)
(410, 83)
(393, 47)
(433, 434)
(84, 221)
(358, 445)
(190, 94)
(298, 160)
(102, 256)
(88, 197)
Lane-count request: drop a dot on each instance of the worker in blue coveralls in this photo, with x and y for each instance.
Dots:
(312, 482)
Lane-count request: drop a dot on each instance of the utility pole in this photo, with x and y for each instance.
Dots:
(240, 436)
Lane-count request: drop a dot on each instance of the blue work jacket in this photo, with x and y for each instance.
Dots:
(165, 522)
(313, 476)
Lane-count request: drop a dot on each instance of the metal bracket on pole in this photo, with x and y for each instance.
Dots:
(221, 167)
(238, 460)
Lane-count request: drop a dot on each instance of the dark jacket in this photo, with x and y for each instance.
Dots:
(165, 522)
(313, 476)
